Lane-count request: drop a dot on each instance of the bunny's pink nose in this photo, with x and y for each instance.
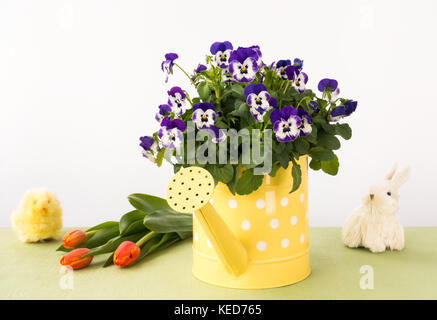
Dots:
(372, 196)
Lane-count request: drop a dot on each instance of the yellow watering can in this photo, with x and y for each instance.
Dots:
(253, 241)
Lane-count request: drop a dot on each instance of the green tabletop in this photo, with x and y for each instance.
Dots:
(32, 271)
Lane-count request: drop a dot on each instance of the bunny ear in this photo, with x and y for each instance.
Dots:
(401, 177)
(392, 172)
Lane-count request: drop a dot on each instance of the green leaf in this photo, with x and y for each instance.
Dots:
(168, 221)
(301, 146)
(132, 222)
(238, 89)
(112, 244)
(204, 91)
(321, 154)
(109, 260)
(147, 203)
(101, 237)
(232, 185)
(226, 173)
(315, 164)
(248, 182)
(331, 167)
(343, 130)
(329, 141)
(296, 173)
(104, 225)
(160, 157)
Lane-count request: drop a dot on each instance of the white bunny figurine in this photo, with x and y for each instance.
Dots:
(375, 225)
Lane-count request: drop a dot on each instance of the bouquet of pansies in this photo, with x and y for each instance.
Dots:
(237, 90)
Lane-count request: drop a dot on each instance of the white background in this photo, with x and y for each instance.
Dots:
(80, 81)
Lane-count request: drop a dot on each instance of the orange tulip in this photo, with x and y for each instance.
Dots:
(126, 254)
(75, 259)
(73, 239)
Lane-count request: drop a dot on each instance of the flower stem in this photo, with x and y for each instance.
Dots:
(146, 238)
(184, 72)
(90, 234)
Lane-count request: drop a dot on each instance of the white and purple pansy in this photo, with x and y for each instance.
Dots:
(286, 123)
(150, 147)
(204, 115)
(305, 128)
(298, 63)
(167, 64)
(330, 89)
(243, 64)
(300, 81)
(221, 52)
(164, 110)
(259, 100)
(343, 111)
(280, 68)
(171, 133)
(176, 100)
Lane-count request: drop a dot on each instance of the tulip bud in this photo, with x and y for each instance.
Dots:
(73, 239)
(126, 254)
(75, 259)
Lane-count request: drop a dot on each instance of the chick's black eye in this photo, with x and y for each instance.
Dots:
(389, 193)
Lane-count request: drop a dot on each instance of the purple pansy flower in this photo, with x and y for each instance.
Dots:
(221, 52)
(176, 100)
(343, 111)
(298, 63)
(200, 67)
(314, 106)
(150, 147)
(280, 68)
(171, 132)
(164, 109)
(167, 64)
(300, 81)
(286, 124)
(243, 64)
(290, 72)
(305, 127)
(259, 100)
(204, 115)
(328, 84)
(259, 61)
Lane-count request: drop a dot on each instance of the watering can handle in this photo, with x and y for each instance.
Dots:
(229, 249)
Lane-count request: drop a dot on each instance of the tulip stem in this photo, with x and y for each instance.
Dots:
(146, 238)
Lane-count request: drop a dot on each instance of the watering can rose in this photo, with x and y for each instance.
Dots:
(126, 254)
(76, 260)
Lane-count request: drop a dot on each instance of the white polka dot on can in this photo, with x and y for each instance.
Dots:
(302, 197)
(196, 237)
(232, 204)
(285, 242)
(284, 201)
(293, 220)
(209, 243)
(260, 204)
(302, 238)
(261, 246)
(274, 223)
(245, 225)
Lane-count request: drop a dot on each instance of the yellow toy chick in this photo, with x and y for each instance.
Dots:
(39, 216)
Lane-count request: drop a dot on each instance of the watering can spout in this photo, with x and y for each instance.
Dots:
(229, 249)
(190, 190)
